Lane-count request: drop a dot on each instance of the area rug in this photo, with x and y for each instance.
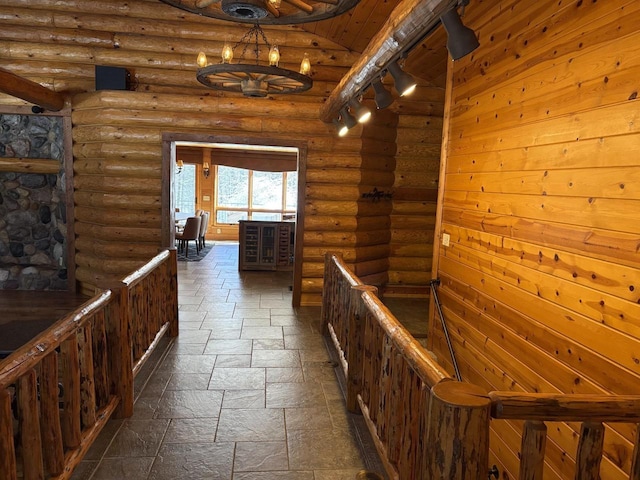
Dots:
(193, 255)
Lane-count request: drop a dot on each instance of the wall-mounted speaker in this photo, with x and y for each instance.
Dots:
(112, 78)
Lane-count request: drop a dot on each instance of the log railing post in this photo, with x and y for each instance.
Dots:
(634, 474)
(173, 292)
(51, 429)
(458, 432)
(29, 426)
(120, 354)
(589, 453)
(327, 292)
(7, 448)
(534, 439)
(355, 352)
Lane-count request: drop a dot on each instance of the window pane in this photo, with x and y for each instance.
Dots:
(226, 216)
(292, 191)
(265, 216)
(233, 189)
(267, 190)
(185, 189)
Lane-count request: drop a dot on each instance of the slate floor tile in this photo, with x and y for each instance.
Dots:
(246, 425)
(189, 404)
(260, 456)
(194, 461)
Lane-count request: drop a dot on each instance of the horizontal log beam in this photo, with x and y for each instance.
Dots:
(29, 165)
(565, 408)
(409, 22)
(30, 91)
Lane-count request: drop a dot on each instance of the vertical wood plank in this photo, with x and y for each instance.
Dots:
(7, 449)
(534, 439)
(384, 385)
(366, 364)
(87, 382)
(589, 453)
(120, 358)
(70, 414)
(376, 360)
(29, 427)
(354, 352)
(395, 411)
(100, 359)
(51, 430)
(423, 429)
(634, 474)
(410, 396)
(172, 293)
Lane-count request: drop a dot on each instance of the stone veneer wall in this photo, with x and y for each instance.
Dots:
(33, 219)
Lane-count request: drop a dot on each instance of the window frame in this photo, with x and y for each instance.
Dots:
(249, 209)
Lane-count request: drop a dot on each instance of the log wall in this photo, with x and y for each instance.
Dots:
(117, 134)
(540, 281)
(414, 199)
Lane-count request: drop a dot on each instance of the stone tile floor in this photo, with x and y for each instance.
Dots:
(246, 392)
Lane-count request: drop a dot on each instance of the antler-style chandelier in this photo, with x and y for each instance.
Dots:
(253, 79)
(269, 12)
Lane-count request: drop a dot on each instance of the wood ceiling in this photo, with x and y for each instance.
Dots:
(354, 29)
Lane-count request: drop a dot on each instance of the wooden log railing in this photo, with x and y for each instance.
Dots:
(426, 425)
(591, 410)
(55, 396)
(148, 308)
(57, 393)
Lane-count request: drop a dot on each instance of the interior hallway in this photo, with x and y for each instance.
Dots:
(246, 392)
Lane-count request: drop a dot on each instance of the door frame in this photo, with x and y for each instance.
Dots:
(167, 200)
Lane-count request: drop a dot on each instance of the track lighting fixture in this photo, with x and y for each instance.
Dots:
(403, 82)
(383, 97)
(460, 39)
(345, 123)
(361, 112)
(340, 127)
(347, 118)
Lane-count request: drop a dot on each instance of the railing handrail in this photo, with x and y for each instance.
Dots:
(346, 272)
(559, 407)
(29, 355)
(146, 269)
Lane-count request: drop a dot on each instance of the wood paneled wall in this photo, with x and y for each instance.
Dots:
(540, 283)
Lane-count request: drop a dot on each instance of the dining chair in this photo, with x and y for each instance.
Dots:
(204, 225)
(191, 231)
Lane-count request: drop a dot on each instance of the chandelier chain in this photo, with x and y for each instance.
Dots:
(246, 40)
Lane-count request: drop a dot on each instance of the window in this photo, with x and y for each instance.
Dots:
(185, 188)
(254, 195)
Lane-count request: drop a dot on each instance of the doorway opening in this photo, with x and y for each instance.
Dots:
(237, 180)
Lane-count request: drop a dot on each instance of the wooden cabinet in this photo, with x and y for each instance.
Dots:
(266, 245)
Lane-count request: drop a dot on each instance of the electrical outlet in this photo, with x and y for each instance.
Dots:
(445, 239)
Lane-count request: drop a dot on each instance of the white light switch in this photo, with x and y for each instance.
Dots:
(445, 239)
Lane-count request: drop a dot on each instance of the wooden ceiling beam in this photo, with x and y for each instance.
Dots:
(409, 23)
(32, 92)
